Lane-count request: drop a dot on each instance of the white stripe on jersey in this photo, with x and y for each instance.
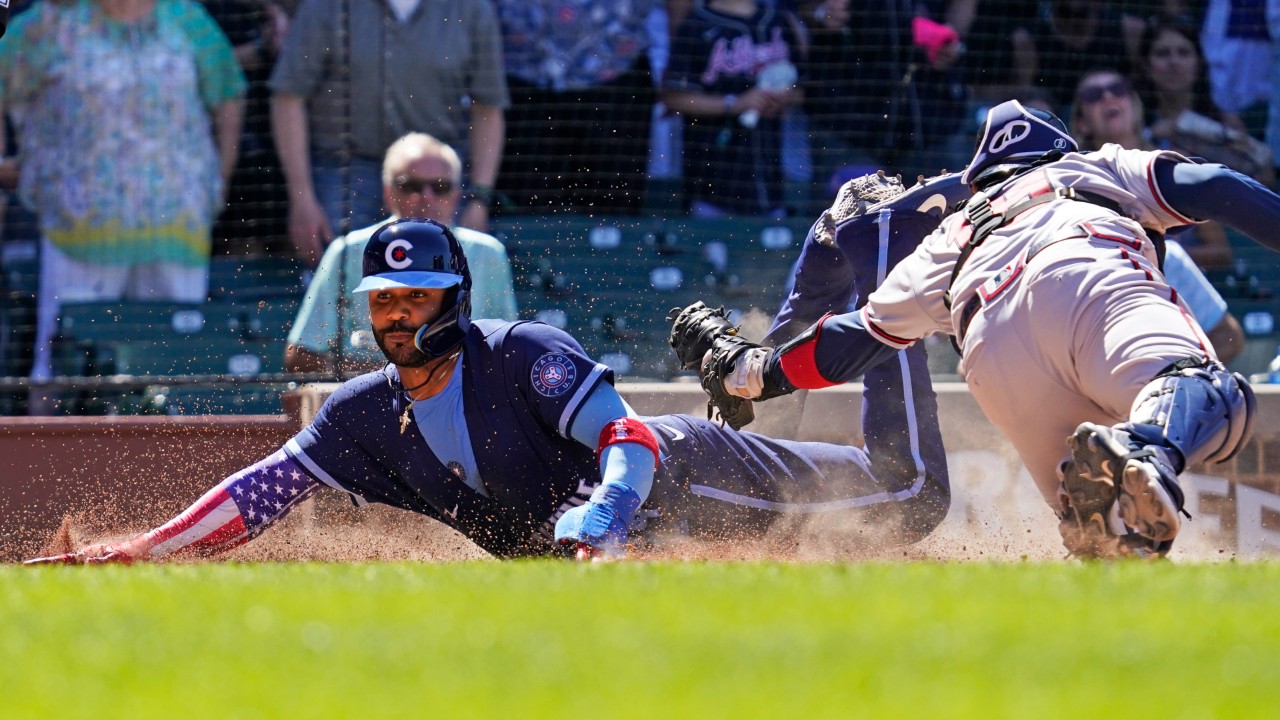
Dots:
(818, 507)
(588, 384)
(296, 451)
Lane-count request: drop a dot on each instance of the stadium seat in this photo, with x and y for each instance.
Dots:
(241, 278)
(612, 281)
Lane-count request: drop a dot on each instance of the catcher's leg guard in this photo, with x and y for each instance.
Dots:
(1196, 408)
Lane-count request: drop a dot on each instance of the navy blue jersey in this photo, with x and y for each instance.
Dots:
(725, 163)
(522, 385)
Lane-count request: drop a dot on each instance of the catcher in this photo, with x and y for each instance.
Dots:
(1050, 284)
(509, 433)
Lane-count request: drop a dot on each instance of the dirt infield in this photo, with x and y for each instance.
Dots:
(329, 529)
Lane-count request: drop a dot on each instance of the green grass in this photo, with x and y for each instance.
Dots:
(554, 639)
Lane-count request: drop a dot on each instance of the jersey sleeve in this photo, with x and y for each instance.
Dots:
(26, 53)
(488, 81)
(1135, 170)
(686, 50)
(328, 450)
(553, 372)
(307, 49)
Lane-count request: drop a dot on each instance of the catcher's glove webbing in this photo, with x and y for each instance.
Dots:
(854, 198)
(698, 330)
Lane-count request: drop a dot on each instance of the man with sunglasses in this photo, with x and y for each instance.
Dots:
(509, 433)
(420, 178)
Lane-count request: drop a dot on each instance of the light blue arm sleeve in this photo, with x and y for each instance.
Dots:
(629, 463)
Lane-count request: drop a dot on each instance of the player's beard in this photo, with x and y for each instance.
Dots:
(404, 356)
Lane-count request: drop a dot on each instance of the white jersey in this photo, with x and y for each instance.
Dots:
(909, 304)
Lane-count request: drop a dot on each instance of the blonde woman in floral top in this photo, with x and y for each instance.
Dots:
(127, 115)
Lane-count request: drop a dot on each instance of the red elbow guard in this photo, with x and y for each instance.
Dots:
(627, 430)
(799, 360)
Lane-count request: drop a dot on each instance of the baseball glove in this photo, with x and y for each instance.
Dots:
(854, 198)
(706, 341)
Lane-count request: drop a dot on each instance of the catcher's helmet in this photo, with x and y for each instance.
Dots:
(418, 253)
(1013, 136)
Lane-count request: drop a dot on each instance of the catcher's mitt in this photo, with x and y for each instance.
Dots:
(854, 198)
(706, 341)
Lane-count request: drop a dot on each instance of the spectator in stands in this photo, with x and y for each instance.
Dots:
(343, 92)
(1181, 114)
(1273, 105)
(884, 87)
(989, 49)
(1068, 39)
(421, 177)
(1237, 48)
(1106, 109)
(732, 74)
(582, 97)
(254, 222)
(128, 114)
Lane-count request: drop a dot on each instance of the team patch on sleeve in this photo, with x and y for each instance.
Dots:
(553, 375)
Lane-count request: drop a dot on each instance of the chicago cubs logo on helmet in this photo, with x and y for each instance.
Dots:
(553, 375)
(1014, 135)
(398, 254)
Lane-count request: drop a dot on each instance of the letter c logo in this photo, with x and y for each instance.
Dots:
(398, 254)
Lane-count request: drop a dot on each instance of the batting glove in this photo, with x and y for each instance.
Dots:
(601, 524)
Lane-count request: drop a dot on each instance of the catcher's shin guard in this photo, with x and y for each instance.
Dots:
(1196, 408)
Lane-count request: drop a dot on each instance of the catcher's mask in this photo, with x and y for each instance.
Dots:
(418, 253)
(1012, 137)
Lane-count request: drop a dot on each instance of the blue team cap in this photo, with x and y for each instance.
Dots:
(412, 253)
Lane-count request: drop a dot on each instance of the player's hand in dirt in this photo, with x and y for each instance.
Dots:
(598, 528)
(587, 553)
(100, 554)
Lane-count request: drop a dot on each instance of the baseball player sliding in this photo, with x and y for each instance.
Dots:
(509, 433)
(1049, 282)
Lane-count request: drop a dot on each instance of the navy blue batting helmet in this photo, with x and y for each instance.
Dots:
(419, 253)
(1012, 135)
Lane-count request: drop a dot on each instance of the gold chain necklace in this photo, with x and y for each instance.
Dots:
(405, 418)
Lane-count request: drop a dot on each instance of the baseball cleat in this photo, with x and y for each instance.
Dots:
(1108, 473)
